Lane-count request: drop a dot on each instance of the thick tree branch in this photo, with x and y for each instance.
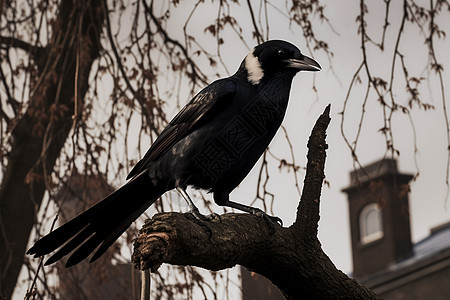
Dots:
(308, 209)
(290, 257)
(163, 240)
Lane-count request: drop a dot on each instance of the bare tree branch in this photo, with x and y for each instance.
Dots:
(308, 209)
(196, 72)
(17, 43)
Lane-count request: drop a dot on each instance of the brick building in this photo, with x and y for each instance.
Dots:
(384, 258)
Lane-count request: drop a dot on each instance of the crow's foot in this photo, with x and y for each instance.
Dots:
(201, 220)
(214, 217)
(270, 220)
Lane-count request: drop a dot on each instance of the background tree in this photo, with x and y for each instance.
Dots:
(83, 84)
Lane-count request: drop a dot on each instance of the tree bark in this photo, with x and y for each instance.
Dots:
(292, 258)
(40, 133)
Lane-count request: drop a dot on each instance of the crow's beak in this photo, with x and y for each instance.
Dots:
(305, 64)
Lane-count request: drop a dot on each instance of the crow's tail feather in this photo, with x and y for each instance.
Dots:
(101, 225)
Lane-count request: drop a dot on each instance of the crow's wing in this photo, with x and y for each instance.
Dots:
(201, 108)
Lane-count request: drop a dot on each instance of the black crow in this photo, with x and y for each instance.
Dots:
(211, 144)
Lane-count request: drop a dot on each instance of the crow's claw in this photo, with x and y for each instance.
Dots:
(213, 217)
(275, 219)
(270, 220)
(201, 220)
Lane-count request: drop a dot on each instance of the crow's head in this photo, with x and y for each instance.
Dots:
(276, 56)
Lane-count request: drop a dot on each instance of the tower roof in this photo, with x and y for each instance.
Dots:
(375, 171)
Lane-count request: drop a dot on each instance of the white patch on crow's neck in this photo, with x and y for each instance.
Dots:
(254, 71)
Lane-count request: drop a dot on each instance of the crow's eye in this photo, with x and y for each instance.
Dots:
(280, 52)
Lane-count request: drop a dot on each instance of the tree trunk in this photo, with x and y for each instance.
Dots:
(42, 130)
(292, 258)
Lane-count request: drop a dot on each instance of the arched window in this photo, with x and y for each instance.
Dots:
(370, 223)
